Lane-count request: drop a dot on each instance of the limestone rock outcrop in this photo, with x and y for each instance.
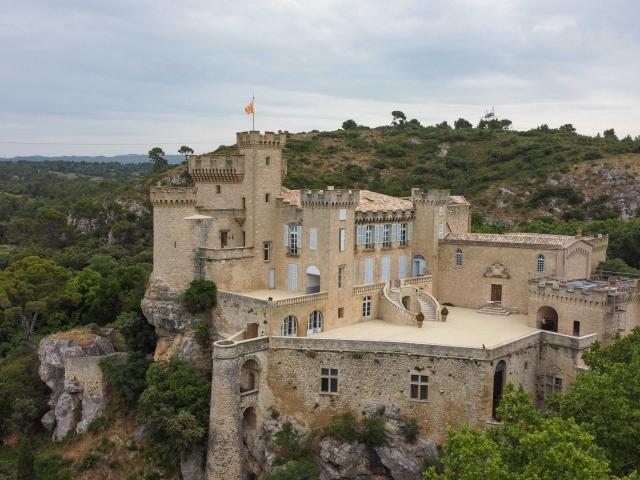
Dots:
(164, 309)
(69, 366)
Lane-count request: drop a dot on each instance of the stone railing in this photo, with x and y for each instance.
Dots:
(391, 312)
(421, 280)
(232, 349)
(372, 287)
(231, 253)
(430, 300)
(169, 196)
(311, 298)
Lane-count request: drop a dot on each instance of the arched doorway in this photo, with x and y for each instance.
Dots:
(406, 302)
(419, 266)
(249, 376)
(249, 426)
(313, 279)
(548, 319)
(498, 385)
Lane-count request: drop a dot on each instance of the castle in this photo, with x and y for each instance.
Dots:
(339, 300)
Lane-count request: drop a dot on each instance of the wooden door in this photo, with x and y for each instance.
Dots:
(496, 293)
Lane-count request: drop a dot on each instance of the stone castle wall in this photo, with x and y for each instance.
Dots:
(86, 372)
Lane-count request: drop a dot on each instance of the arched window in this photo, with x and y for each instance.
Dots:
(366, 306)
(315, 322)
(290, 326)
(458, 258)
(540, 263)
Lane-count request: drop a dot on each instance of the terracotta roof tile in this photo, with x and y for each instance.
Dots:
(378, 202)
(525, 239)
(291, 196)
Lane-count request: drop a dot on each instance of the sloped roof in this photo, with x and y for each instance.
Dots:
(458, 200)
(378, 202)
(291, 196)
(515, 239)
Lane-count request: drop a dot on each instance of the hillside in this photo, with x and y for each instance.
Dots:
(511, 176)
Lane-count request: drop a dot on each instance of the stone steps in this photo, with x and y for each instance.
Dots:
(494, 310)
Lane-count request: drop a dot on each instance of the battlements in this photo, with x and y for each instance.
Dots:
(433, 197)
(219, 168)
(255, 139)
(173, 196)
(330, 197)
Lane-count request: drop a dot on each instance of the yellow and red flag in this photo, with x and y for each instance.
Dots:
(249, 108)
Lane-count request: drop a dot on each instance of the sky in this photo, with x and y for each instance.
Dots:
(97, 77)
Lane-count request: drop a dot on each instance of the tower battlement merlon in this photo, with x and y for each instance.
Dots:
(223, 168)
(330, 197)
(255, 139)
(173, 196)
(435, 197)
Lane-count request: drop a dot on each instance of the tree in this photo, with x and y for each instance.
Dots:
(126, 375)
(184, 150)
(156, 155)
(25, 468)
(349, 124)
(462, 123)
(399, 118)
(28, 287)
(568, 128)
(610, 133)
(175, 407)
(200, 296)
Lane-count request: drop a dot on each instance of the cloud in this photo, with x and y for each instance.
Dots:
(89, 71)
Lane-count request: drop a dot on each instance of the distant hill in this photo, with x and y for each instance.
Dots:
(130, 158)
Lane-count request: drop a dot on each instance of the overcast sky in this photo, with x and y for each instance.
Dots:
(166, 72)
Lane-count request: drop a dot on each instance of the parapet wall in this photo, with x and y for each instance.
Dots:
(330, 197)
(435, 197)
(173, 196)
(261, 140)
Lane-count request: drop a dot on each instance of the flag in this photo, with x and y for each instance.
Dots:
(249, 108)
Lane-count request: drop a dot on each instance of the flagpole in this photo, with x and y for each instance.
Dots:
(253, 112)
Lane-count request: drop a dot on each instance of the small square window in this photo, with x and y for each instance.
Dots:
(419, 387)
(267, 197)
(340, 312)
(329, 380)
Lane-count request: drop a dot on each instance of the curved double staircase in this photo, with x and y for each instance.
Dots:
(392, 298)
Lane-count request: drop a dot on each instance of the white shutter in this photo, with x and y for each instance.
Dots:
(378, 234)
(394, 232)
(293, 277)
(313, 239)
(441, 231)
(299, 230)
(341, 239)
(272, 278)
(385, 274)
(402, 266)
(286, 235)
(343, 214)
(369, 267)
(359, 235)
(409, 231)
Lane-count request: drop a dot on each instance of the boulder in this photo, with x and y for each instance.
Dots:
(92, 408)
(65, 415)
(341, 460)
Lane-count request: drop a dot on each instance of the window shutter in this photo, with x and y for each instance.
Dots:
(341, 239)
(359, 235)
(441, 231)
(343, 214)
(394, 232)
(293, 277)
(313, 239)
(385, 274)
(299, 231)
(378, 234)
(402, 266)
(409, 231)
(369, 266)
(286, 235)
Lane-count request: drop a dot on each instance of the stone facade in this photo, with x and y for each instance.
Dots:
(298, 270)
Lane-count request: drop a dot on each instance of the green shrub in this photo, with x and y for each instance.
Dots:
(410, 430)
(201, 331)
(304, 469)
(343, 427)
(126, 374)
(374, 431)
(53, 467)
(200, 296)
(89, 461)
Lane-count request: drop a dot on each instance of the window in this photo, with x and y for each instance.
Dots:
(458, 258)
(419, 387)
(386, 235)
(441, 231)
(329, 380)
(314, 324)
(540, 263)
(340, 312)
(267, 197)
(244, 202)
(293, 277)
(576, 328)
(341, 272)
(289, 326)
(266, 251)
(378, 234)
(369, 267)
(272, 278)
(403, 234)
(267, 161)
(218, 189)
(385, 270)
(244, 238)
(313, 239)
(294, 235)
(440, 211)
(402, 266)
(343, 214)
(341, 239)
(368, 236)
(552, 385)
(366, 306)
